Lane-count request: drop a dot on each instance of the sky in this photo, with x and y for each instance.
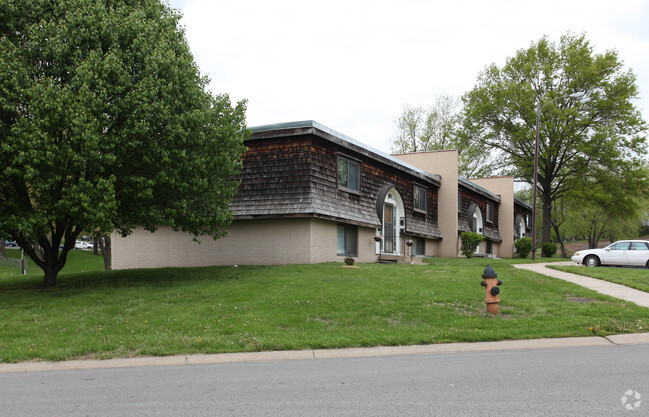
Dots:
(352, 65)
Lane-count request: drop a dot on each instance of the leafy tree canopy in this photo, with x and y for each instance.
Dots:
(106, 123)
(577, 138)
(609, 204)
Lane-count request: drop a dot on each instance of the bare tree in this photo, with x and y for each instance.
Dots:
(410, 126)
(439, 128)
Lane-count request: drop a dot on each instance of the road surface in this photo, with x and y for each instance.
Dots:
(573, 381)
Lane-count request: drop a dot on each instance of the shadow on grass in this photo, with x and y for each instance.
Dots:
(133, 278)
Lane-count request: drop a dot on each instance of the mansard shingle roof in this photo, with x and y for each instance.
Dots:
(290, 169)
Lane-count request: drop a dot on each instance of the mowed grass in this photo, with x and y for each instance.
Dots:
(102, 314)
(637, 278)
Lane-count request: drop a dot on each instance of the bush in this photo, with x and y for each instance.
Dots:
(470, 242)
(548, 249)
(523, 247)
(349, 260)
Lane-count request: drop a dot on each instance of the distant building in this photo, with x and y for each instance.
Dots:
(309, 194)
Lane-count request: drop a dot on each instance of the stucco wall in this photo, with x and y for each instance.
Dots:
(445, 164)
(504, 186)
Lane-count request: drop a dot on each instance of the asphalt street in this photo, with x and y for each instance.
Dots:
(600, 380)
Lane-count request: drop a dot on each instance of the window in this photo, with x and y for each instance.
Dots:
(419, 246)
(638, 246)
(490, 213)
(347, 237)
(419, 198)
(619, 246)
(349, 174)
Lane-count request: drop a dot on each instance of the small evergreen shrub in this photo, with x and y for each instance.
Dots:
(548, 249)
(523, 247)
(470, 242)
(349, 260)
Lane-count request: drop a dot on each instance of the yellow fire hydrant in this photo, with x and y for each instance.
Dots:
(491, 283)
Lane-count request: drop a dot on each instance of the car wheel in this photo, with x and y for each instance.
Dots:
(591, 260)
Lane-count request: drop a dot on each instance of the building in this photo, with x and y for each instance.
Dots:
(309, 194)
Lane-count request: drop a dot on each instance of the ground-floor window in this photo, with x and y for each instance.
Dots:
(419, 246)
(347, 240)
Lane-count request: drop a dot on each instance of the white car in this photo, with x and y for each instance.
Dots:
(82, 245)
(623, 252)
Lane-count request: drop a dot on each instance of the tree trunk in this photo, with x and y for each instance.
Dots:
(3, 251)
(106, 250)
(53, 264)
(564, 253)
(546, 231)
(49, 279)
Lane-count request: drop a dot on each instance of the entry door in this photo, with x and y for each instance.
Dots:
(388, 228)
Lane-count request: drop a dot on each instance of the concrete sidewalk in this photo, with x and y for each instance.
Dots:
(638, 297)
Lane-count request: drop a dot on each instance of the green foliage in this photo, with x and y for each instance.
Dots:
(523, 247)
(548, 249)
(470, 242)
(106, 124)
(578, 139)
(608, 204)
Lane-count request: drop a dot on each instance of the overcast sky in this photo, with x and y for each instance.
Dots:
(351, 65)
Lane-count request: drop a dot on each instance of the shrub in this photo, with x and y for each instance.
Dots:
(548, 249)
(523, 247)
(470, 242)
(349, 260)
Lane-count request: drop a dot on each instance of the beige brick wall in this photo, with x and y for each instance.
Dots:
(250, 242)
(322, 241)
(432, 247)
(367, 247)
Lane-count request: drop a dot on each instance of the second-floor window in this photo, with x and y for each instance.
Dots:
(490, 213)
(419, 198)
(349, 174)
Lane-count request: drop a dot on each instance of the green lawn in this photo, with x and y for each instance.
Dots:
(250, 308)
(637, 278)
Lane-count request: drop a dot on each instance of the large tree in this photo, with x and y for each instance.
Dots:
(610, 203)
(106, 123)
(577, 138)
(439, 127)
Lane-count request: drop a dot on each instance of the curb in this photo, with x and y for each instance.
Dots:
(292, 355)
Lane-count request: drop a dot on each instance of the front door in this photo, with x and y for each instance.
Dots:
(388, 228)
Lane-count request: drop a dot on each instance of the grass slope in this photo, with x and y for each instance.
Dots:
(251, 308)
